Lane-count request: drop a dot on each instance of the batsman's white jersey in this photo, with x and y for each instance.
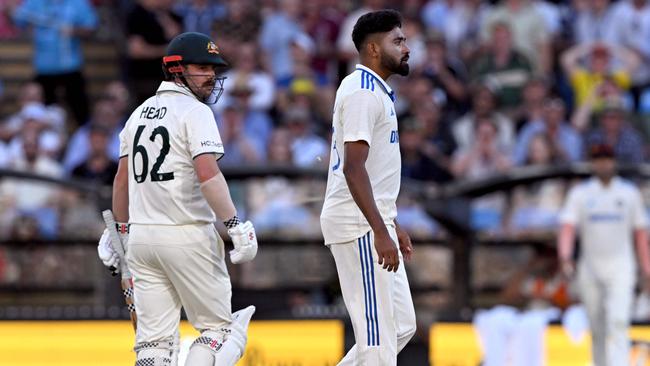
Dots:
(606, 218)
(161, 139)
(379, 302)
(363, 110)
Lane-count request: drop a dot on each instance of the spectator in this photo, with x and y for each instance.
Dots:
(308, 149)
(595, 22)
(347, 52)
(278, 30)
(460, 22)
(530, 34)
(615, 131)
(322, 22)
(534, 97)
(57, 37)
(415, 91)
(246, 68)
(483, 106)
(536, 206)
(257, 124)
(503, 68)
(79, 149)
(7, 28)
(276, 203)
(427, 145)
(413, 31)
(98, 166)
(46, 123)
(30, 93)
(241, 148)
(199, 15)
(279, 150)
(241, 24)
(565, 140)
(150, 26)
(632, 20)
(483, 158)
(448, 76)
(303, 77)
(421, 161)
(33, 200)
(118, 95)
(584, 79)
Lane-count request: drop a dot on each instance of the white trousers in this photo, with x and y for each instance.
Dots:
(176, 266)
(379, 303)
(608, 302)
(513, 338)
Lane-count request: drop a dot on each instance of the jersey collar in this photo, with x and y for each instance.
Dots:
(385, 86)
(616, 181)
(166, 86)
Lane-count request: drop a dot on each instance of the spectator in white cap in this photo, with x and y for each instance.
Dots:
(45, 123)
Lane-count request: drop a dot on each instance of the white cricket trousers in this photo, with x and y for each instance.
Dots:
(379, 303)
(176, 266)
(608, 302)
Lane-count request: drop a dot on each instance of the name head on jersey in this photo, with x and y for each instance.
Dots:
(193, 61)
(381, 43)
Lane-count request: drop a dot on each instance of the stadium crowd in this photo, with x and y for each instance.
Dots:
(494, 85)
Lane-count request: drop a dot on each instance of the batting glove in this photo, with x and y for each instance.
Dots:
(245, 242)
(106, 252)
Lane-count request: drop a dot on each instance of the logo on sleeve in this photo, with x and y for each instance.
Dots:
(210, 143)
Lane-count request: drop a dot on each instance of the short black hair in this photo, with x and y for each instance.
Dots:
(380, 21)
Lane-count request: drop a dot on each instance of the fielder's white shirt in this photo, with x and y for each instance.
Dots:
(363, 110)
(161, 139)
(606, 217)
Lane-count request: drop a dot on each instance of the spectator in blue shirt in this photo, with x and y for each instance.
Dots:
(200, 15)
(566, 139)
(614, 130)
(57, 27)
(278, 31)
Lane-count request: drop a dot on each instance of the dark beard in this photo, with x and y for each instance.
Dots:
(394, 66)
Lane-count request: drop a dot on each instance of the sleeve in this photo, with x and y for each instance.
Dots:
(639, 213)
(124, 147)
(570, 213)
(359, 113)
(26, 13)
(86, 16)
(202, 132)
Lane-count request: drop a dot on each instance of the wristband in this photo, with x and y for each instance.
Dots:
(231, 223)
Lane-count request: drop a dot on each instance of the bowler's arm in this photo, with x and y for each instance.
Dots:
(356, 176)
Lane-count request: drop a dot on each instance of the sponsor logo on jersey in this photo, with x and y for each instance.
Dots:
(394, 137)
(208, 143)
(605, 217)
(212, 48)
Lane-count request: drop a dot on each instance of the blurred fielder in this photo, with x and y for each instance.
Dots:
(168, 188)
(610, 216)
(358, 217)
